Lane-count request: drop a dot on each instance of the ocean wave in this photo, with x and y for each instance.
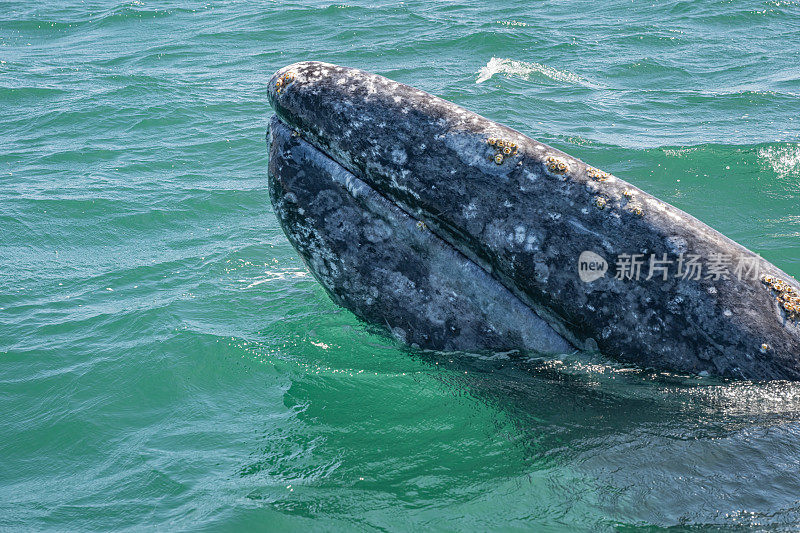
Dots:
(784, 160)
(135, 10)
(25, 94)
(524, 70)
(511, 23)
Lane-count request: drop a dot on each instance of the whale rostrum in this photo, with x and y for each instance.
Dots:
(454, 232)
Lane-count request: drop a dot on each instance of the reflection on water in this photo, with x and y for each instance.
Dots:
(656, 447)
(575, 440)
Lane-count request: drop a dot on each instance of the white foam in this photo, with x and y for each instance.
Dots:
(276, 275)
(522, 69)
(784, 160)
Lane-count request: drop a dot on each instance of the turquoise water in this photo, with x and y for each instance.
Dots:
(166, 361)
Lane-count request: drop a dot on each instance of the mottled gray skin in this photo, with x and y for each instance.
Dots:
(526, 226)
(389, 270)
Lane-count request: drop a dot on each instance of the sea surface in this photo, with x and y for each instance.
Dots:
(168, 363)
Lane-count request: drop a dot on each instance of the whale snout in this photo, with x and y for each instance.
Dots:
(302, 73)
(451, 231)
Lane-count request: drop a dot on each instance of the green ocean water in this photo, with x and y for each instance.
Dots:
(167, 362)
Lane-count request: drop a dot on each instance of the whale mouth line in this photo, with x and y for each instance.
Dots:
(355, 183)
(365, 183)
(362, 182)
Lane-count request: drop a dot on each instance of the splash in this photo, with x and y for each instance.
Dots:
(784, 160)
(524, 70)
(276, 275)
(511, 23)
(679, 152)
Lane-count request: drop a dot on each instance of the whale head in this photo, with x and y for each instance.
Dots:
(454, 232)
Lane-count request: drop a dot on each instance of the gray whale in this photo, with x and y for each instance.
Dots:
(454, 232)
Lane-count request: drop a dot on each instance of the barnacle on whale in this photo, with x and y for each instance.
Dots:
(597, 174)
(556, 165)
(786, 296)
(284, 80)
(504, 149)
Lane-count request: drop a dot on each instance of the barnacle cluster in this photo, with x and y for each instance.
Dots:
(786, 295)
(556, 165)
(421, 225)
(502, 149)
(283, 81)
(597, 174)
(632, 207)
(636, 210)
(600, 202)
